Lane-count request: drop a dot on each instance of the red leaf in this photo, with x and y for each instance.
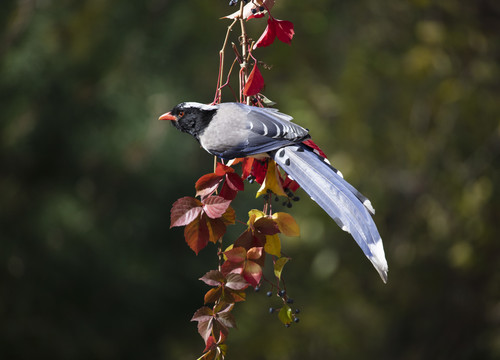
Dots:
(315, 147)
(207, 184)
(215, 206)
(236, 255)
(184, 211)
(227, 193)
(235, 182)
(196, 235)
(266, 226)
(252, 273)
(268, 36)
(236, 282)
(216, 228)
(284, 30)
(247, 167)
(255, 82)
(259, 170)
(222, 169)
(213, 278)
(290, 184)
(203, 314)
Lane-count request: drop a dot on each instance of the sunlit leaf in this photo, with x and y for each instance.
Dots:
(255, 82)
(271, 181)
(285, 315)
(207, 184)
(196, 235)
(236, 282)
(286, 224)
(278, 266)
(213, 278)
(213, 295)
(215, 206)
(216, 228)
(184, 211)
(284, 30)
(236, 255)
(268, 36)
(234, 181)
(273, 245)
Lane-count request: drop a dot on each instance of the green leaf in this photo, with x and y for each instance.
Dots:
(285, 315)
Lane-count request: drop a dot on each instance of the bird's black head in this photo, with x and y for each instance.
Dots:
(191, 117)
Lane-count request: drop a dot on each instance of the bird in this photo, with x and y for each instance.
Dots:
(234, 130)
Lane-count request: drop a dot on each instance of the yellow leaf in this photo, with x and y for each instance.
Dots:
(273, 245)
(278, 266)
(287, 224)
(271, 181)
(254, 215)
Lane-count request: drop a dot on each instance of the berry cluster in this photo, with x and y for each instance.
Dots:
(285, 313)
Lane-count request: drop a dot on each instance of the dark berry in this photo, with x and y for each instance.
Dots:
(289, 301)
(296, 198)
(282, 293)
(256, 289)
(287, 325)
(254, 11)
(297, 311)
(289, 205)
(271, 310)
(269, 293)
(296, 320)
(262, 8)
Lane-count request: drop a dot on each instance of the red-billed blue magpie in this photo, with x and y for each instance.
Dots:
(231, 130)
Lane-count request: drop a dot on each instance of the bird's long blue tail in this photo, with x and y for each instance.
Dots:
(344, 204)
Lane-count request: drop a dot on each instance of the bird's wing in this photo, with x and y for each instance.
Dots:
(260, 129)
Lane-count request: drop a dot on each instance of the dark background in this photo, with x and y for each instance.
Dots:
(403, 96)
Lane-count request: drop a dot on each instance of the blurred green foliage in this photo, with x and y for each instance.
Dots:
(404, 96)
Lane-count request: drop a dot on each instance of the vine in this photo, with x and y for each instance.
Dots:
(207, 215)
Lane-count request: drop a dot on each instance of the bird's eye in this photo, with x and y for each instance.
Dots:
(181, 113)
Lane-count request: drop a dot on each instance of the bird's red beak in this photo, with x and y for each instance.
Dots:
(167, 116)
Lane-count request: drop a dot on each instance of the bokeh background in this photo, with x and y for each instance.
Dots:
(403, 96)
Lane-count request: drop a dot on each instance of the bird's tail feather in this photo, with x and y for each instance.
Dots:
(338, 198)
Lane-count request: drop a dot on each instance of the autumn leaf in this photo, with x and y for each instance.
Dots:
(278, 266)
(284, 30)
(215, 206)
(272, 181)
(273, 245)
(216, 228)
(268, 36)
(286, 224)
(197, 235)
(207, 184)
(243, 262)
(184, 211)
(255, 82)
